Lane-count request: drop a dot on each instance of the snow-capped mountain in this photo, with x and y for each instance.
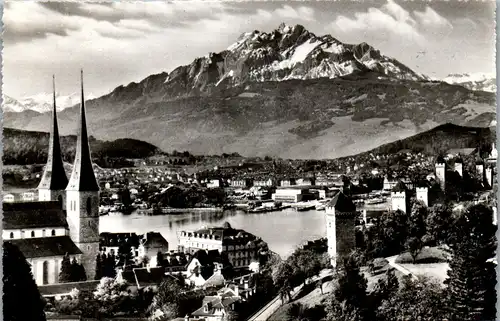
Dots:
(474, 81)
(41, 102)
(287, 93)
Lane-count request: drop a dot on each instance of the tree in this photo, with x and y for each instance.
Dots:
(416, 300)
(439, 221)
(471, 277)
(167, 300)
(114, 297)
(414, 245)
(349, 301)
(231, 315)
(65, 273)
(416, 222)
(305, 264)
(282, 275)
(21, 298)
(77, 272)
(98, 267)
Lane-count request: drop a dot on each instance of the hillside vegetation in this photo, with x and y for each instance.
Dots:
(26, 147)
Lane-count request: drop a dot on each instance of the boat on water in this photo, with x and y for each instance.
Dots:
(374, 201)
(302, 208)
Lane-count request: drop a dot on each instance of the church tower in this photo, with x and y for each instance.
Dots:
(340, 227)
(82, 198)
(441, 172)
(54, 180)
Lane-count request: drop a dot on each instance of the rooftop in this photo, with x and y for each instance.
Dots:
(342, 203)
(46, 246)
(33, 215)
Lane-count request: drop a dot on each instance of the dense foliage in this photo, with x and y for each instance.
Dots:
(71, 271)
(189, 196)
(472, 278)
(26, 147)
(21, 298)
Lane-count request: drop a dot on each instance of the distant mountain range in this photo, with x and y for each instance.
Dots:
(287, 93)
(41, 103)
(476, 81)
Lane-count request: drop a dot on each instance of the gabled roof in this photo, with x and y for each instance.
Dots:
(342, 203)
(216, 279)
(154, 238)
(33, 215)
(46, 246)
(151, 276)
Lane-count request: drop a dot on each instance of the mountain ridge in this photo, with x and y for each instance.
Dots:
(304, 103)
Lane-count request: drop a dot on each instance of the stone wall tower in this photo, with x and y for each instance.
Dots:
(441, 172)
(423, 192)
(489, 176)
(82, 198)
(54, 180)
(399, 199)
(459, 166)
(340, 227)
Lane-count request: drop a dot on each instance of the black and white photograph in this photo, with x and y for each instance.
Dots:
(249, 160)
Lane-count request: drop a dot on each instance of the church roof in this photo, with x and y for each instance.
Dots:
(82, 177)
(54, 176)
(342, 203)
(46, 246)
(33, 215)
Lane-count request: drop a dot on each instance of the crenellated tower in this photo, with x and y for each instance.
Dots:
(82, 197)
(54, 180)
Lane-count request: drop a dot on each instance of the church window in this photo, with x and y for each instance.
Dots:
(32, 233)
(89, 205)
(45, 270)
(53, 233)
(11, 235)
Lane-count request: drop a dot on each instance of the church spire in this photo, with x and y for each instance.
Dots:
(54, 176)
(82, 177)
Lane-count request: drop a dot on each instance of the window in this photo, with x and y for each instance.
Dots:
(32, 233)
(11, 235)
(45, 272)
(53, 233)
(89, 206)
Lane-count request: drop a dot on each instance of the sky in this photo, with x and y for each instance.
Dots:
(122, 42)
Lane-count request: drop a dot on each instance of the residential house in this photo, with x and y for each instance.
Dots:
(264, 182)
(110, 242)
(151, 243)
(287, 182)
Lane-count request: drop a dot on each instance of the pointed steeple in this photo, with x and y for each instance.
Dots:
(82, 177)
(54, 176)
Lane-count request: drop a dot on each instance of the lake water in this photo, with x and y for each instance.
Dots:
(283, 230)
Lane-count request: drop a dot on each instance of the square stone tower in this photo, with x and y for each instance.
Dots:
(441, 172)
(340, 227)
(399, 199)
(82, 199)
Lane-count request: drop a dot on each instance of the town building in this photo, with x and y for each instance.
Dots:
(239, 245)
(293, 195)
(65, 219)
(340, 226)
(241, 183)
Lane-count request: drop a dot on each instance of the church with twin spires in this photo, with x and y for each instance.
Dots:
(65, 219)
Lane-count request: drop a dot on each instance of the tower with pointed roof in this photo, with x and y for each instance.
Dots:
(340, 227)
(82, 197)
(54, 180)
